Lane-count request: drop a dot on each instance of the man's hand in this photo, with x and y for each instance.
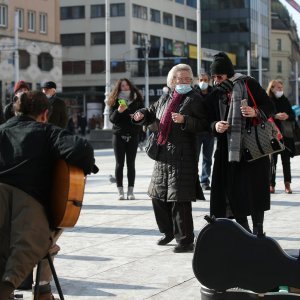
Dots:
(225, 86)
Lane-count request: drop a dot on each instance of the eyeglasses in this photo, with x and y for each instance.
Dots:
(219, 77)
(183, 79)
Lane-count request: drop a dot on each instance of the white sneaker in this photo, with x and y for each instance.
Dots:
(121, 193)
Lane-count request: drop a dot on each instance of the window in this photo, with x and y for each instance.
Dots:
(3, 16)
(155, 46)
(98, 11)
(98, 38)
(168, 47)
(167, 19)
(74, 39)
(192, 3)
(117, 37)
(117, 10)
(180, 1)
(97, 66)
(139, 38)
(191, 25)
(279, 46)
(139, 12)
(179, 22)
(45, 61)
(31, 21)
(43, 23)
(155, 15)
(24, 59)
(118, 66)
(20, 13)
(279, 66)
(73, 67)
(72, 12)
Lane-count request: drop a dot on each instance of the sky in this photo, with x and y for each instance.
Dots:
(294, 13)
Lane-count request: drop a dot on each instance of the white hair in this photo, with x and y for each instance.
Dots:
(174, 70)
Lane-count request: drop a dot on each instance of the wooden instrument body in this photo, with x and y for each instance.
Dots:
(67, 195)
(227, 256)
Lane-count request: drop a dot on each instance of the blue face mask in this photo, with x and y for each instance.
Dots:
(183, 88)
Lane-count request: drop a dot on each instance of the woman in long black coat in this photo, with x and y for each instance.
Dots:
(239, 188)
(175, 182)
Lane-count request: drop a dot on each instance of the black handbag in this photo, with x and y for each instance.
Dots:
(259, 140)
(151, 147)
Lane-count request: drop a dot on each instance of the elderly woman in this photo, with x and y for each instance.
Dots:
(179, 115)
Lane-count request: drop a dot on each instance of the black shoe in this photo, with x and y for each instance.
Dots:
(166, 239)
(184, 248)
(205, 187)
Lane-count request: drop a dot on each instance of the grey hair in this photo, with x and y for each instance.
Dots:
(174, 70)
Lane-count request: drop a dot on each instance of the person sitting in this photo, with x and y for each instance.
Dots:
(29, 149)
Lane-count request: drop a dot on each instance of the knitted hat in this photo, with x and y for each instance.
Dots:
(49, 85)
(222, 65)
(21, 84)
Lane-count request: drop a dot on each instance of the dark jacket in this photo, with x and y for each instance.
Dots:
(282, 104)
(209, 90)
(58, 113)
(245, 185)
(122, 122)
(175, 176)
(29, 149)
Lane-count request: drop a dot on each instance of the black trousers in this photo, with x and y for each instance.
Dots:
(175, 218)
(122, 148)
(286, 166)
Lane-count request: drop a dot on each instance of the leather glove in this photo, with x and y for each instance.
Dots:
(225, 86)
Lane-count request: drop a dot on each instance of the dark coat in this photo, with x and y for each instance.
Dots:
(58, 115)
(244, 185)
(175, 174)
(122, 122)
(282, 104)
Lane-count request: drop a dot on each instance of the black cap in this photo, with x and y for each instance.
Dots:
(222, 65)
(49, 85)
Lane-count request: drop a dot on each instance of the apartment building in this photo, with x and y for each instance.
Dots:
(285, 49)
(38, 44)
(169, 27)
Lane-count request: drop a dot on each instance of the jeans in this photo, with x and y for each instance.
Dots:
(207, 141)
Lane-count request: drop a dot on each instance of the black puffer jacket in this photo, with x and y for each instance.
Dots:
(175, 175)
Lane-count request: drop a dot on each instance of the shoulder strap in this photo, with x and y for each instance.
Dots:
(250, 94)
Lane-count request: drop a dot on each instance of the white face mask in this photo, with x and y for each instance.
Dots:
(48, 96)
(278, 94)
(203, 85)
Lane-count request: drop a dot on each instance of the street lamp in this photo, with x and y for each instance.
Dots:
(146, 55)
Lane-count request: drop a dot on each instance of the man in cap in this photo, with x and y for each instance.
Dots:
(58, 114)
(19, 88)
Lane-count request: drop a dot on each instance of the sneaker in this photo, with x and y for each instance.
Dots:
(184, 248)
(130, 195)
(205, 187)
(121, 193)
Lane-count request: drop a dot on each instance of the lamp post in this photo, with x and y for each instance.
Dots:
(146, 55)
(16, 46)
(106, 122)
(199, 70)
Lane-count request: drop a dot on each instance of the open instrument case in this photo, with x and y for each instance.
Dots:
(230, 263)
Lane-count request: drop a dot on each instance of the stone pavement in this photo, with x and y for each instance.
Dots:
(112, 253)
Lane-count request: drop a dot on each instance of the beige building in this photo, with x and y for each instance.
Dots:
(39, 51)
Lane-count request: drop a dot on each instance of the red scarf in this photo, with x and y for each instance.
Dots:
(166, 121)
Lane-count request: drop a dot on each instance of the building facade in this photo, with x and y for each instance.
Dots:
(285, 49)
(37, 43)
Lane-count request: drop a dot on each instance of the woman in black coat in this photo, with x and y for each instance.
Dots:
(124, 100)
(177, 116)
(239, 188)
(283, 116)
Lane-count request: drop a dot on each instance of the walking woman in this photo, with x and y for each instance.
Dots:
(239, 188)
(124, 100)
(179, 115)
(284, 118)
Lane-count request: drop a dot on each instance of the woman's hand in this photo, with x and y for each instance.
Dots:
(122, 108)
(221, 126)
(138, 116)
(248, 112)
(281, 116)
(177, 118)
